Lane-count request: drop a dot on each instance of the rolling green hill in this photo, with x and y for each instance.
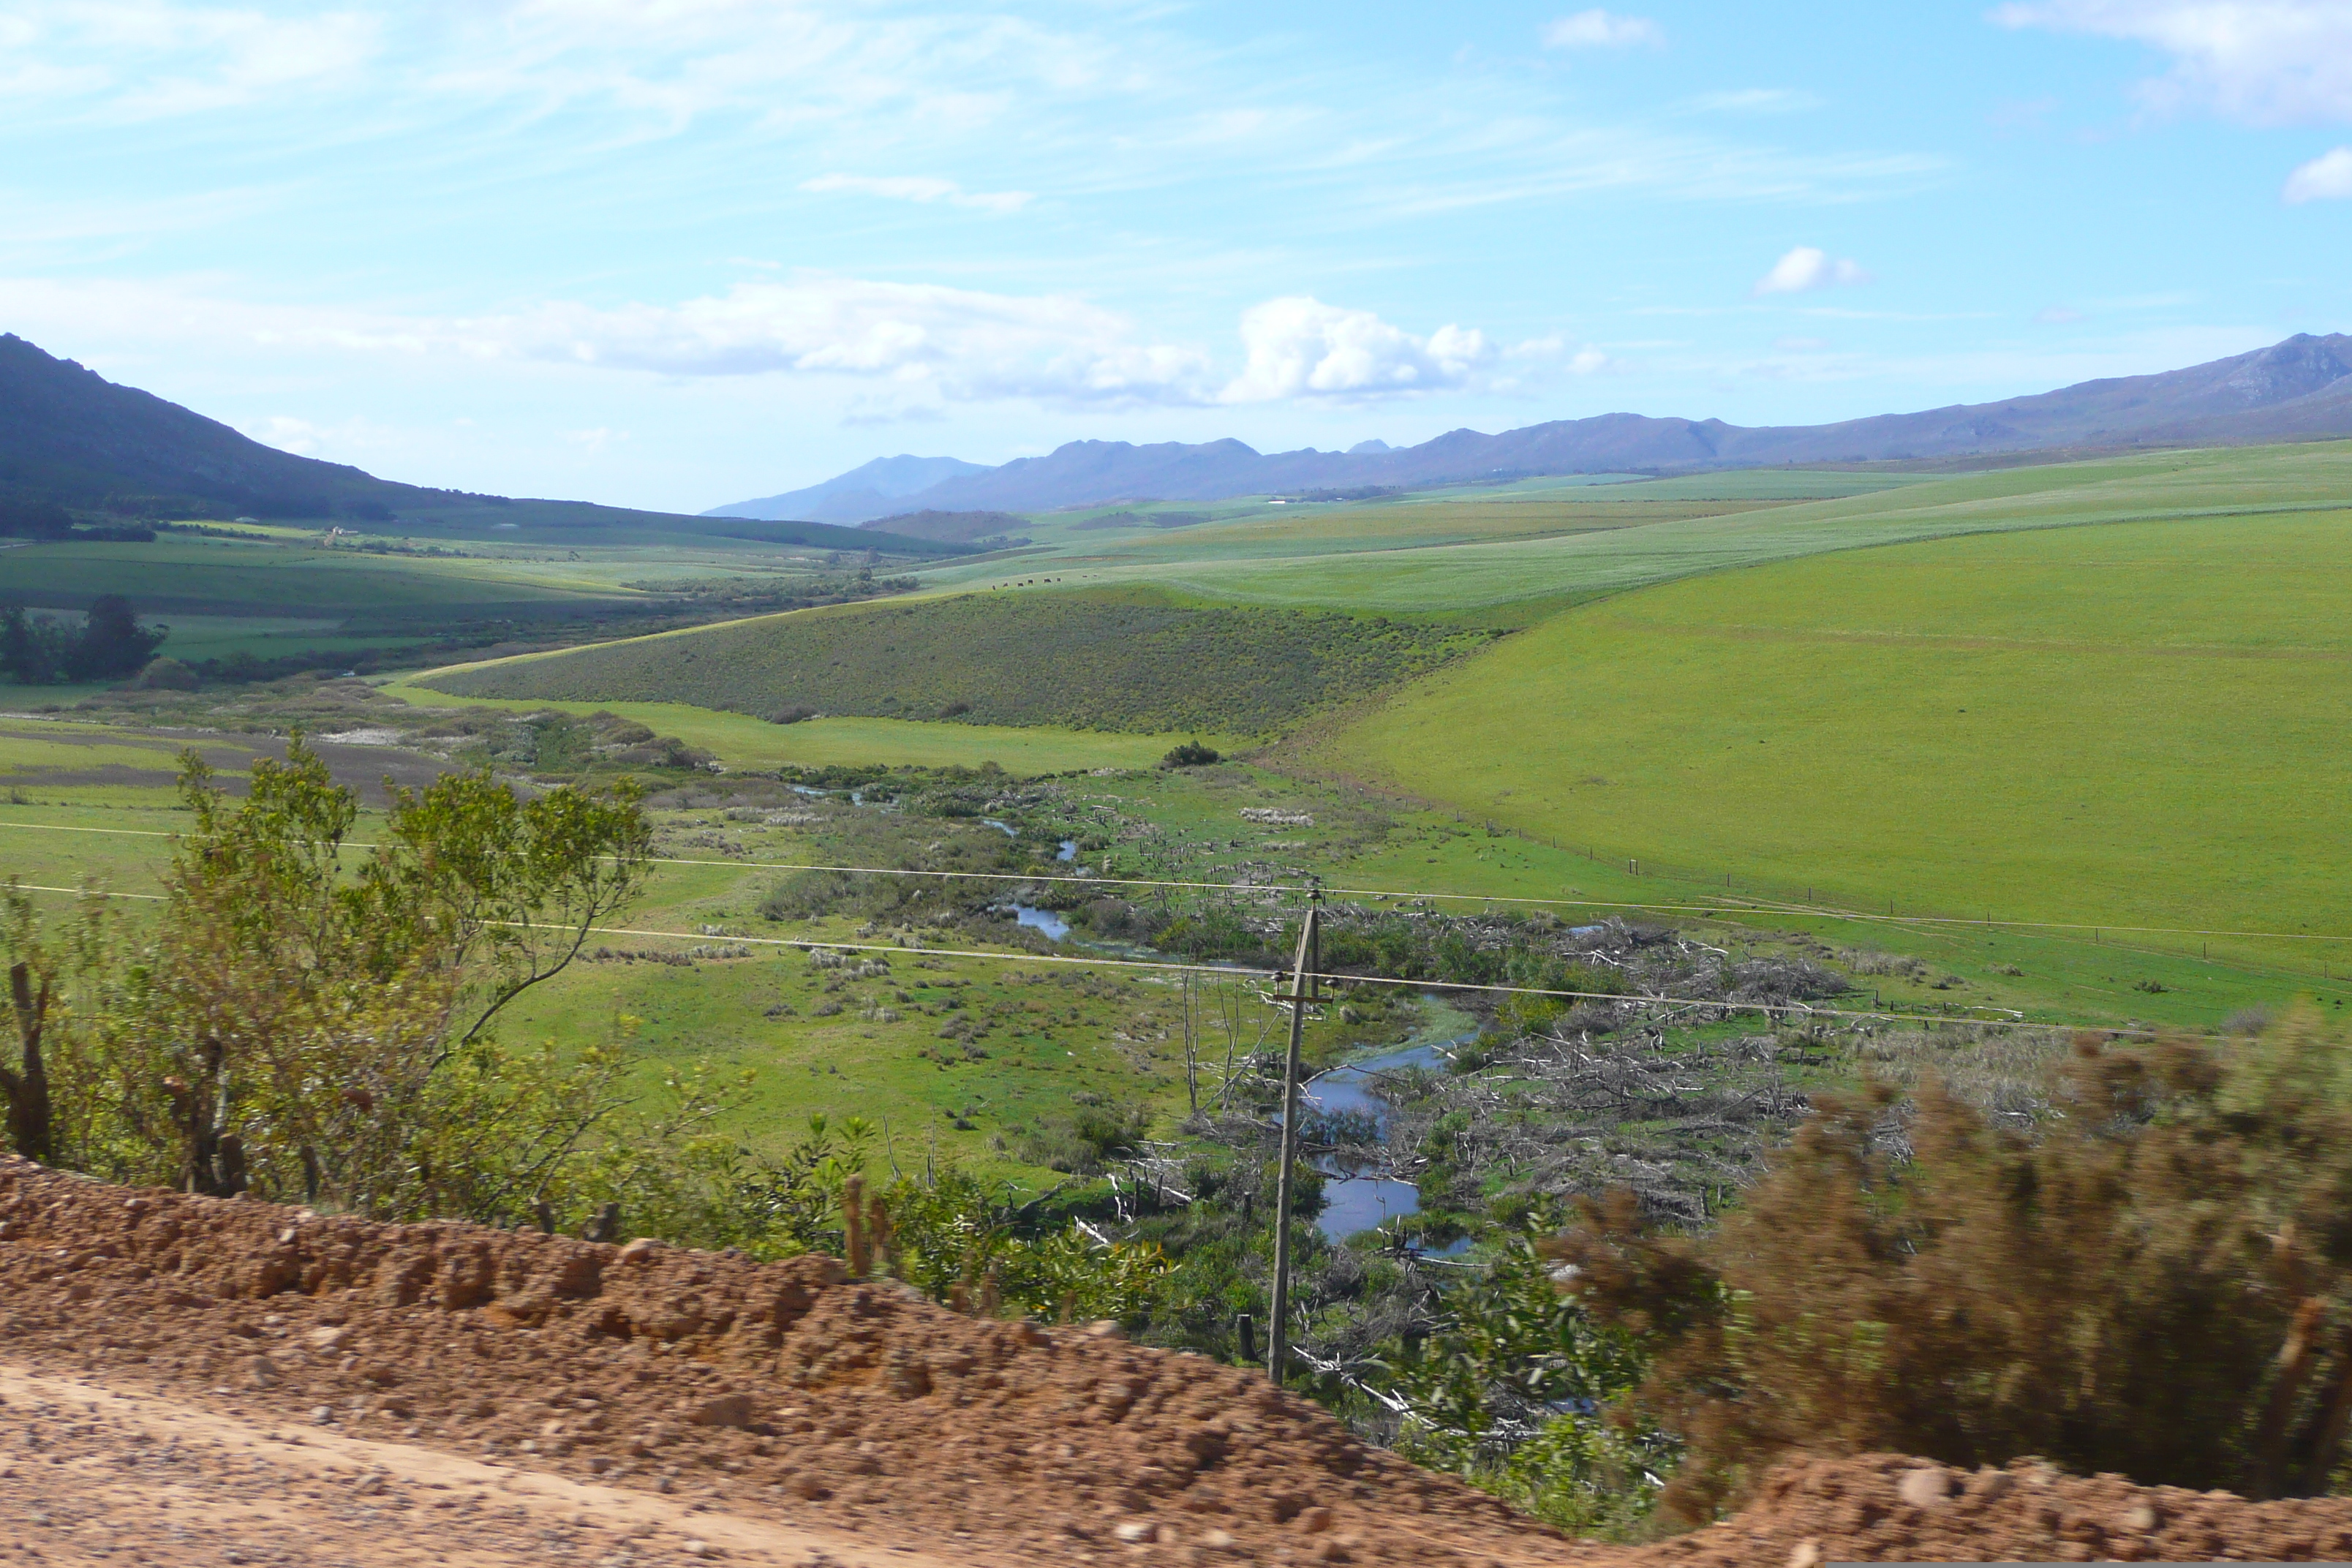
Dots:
(1120, 662)
(2130, 723)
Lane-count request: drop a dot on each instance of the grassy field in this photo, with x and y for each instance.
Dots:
(277, 578)
(2134, 724)
(1117, 662)
(1514, 580)
(739, 740)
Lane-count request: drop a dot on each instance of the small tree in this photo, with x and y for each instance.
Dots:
(112, 642)
(303, 1028)
(32, 651)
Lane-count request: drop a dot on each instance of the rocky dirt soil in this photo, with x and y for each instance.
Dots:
(190, 1381)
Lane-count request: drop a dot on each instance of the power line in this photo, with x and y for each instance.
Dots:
(1737, 903)
(811, 944)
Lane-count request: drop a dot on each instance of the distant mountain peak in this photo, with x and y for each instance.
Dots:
(2298, 387)
(865, 492)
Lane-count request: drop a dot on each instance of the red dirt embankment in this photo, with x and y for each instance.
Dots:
(780, 1391)
(188, 1379)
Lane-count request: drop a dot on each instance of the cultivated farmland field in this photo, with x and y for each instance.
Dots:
(1340, 558)
(1118, 662)
(2137, 723)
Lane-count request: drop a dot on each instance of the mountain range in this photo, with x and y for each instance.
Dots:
(2299, 388)
(71, 438)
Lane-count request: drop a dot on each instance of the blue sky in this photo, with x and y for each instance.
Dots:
(676, 253)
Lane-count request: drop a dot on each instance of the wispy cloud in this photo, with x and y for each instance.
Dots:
(2267, 62)
(920, 188)
(1598, 29)
(1807, 267)
(150, 59)
(2326, 178)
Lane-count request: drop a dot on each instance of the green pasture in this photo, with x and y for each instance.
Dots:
(739, 740)
(2135, 724)
(278, 579)
(1257, 531)
(1512, 581)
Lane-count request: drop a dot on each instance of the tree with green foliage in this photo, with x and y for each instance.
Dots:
(33, 652)
(307, 1018)
(112, 643)
(1510, 1389)
(35, 520)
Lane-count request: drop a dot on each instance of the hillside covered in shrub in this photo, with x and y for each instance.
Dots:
(1082, 660)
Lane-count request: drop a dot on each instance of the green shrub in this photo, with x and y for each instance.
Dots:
(1190, 754)
(1086, 1138)
(1508, 1391)
(164, 675)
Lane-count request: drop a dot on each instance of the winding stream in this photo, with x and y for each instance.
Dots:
(1354, 1200)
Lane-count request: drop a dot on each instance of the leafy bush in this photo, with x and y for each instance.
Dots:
(1870, 961)
(1084, 1139)
(165, 675)
(305, 1026)
(1508, 1392)
(1190, 754)
(2158, 1280)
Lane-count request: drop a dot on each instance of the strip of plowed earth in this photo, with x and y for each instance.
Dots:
(191, 1381)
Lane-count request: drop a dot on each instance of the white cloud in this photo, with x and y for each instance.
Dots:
(920, 188)
(1598, 29)
(1299, 347)
(2057, 316)
(1805, 267)
(965, 344)
(2326, 178)
(2267, 62)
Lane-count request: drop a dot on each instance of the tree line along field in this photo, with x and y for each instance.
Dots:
(2135, 724)
(1074, 660)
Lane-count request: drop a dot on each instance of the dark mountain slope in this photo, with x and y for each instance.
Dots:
(72, 436)
(68, 434)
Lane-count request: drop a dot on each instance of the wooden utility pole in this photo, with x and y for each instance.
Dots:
(1303, 987)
